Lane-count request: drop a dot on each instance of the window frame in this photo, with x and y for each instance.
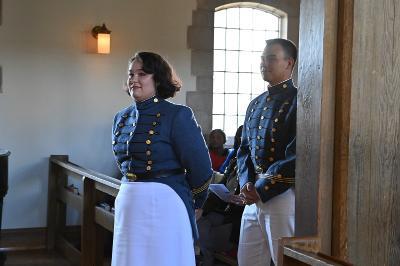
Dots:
(282, 32)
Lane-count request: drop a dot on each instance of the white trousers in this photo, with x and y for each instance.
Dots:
(261, 227)
(151, 227)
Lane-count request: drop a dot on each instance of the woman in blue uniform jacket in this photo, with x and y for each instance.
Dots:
(166, 170)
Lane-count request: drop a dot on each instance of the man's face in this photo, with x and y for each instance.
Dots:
(275, 67)
(216, 140)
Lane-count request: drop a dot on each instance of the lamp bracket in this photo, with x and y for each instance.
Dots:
(100, 29)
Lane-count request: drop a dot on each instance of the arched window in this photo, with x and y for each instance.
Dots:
(240, 32)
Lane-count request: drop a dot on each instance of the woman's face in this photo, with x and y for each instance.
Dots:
(141, 86)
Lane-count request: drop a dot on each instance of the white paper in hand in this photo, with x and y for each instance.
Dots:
(221, 191)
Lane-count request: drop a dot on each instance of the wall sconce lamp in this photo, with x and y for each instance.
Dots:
(102, 34)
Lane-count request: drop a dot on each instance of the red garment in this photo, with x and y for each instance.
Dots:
(217, 160)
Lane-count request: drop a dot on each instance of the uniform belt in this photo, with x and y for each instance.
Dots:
(157, 174)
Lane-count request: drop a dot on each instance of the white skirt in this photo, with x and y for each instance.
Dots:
(151, 227)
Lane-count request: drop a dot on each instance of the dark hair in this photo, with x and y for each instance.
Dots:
(166, 81)
(238, 138)
(288, 46)
(218, 131)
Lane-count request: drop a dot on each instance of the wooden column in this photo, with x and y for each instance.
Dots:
(88, 235)
(315, 119)
(56, 211)
(374, 146)
(342, 127)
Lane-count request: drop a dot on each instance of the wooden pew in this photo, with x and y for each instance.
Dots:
(95, 220)
(302, 251)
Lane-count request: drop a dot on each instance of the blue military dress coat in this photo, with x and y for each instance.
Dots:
(269, 141)
(159, 141)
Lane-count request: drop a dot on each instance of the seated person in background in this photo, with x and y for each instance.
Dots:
(218, 153)
(219, 226)
(231, 153)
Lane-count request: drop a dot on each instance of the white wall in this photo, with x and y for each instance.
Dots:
(59, 99)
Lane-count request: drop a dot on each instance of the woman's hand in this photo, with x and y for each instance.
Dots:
(217, 177)
(237, 200)
(198, 213)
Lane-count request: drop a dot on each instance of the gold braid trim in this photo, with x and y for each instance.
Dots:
(281, 179)
(288, 181)
(198, 190)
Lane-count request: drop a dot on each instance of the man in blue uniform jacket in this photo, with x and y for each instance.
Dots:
(266, 159)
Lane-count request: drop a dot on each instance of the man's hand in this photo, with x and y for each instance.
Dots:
(249, 194)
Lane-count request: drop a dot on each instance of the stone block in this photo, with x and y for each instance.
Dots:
(204, 83)
(204, 120)
(202, 63)
(203, 18)
(207, 4)
(200, 38)
(199, 101)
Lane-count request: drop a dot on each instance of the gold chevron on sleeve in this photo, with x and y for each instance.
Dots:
(281, 179)
(202, 188)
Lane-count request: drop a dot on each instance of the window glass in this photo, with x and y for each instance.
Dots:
(239, 39)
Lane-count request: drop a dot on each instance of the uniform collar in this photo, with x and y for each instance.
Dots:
(281, 87)
(148, 103)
